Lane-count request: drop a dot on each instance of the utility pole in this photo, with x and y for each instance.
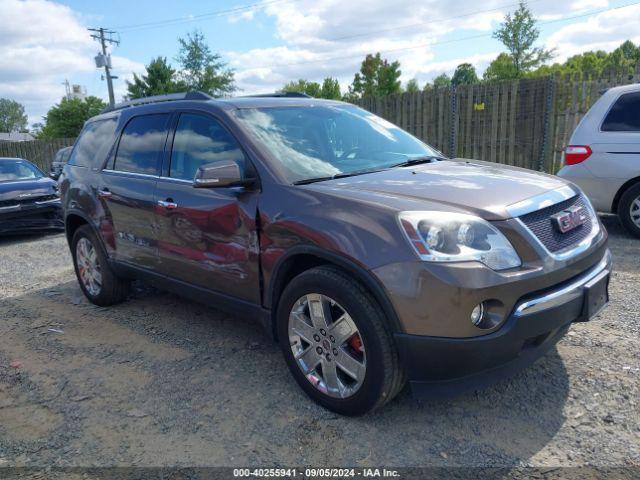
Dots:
(104, 60)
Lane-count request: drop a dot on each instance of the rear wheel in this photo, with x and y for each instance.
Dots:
(337, 343)
(629, 209)
(98, 281)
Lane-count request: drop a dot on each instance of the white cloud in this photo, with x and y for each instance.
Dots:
(42, 43)
(604, 31)
(331, 37)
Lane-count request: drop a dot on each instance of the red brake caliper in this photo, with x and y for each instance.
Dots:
(356, 343)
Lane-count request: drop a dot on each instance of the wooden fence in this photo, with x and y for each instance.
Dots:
(40, 152)
(526, 123)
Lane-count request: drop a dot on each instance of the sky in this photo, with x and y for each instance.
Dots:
(270, 42)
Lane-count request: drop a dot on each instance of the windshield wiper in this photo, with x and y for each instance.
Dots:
(337, 175)
(418, 160)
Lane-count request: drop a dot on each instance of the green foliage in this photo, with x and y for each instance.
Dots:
(518, 33)
(465, 74)
(442, 81)
(66, 119)
(330, 88)
(621, 61)
(304, 86)
(502, 68)
(201, 69)
(159, 79)
(377, 77)
(412, 86)
(12, 116)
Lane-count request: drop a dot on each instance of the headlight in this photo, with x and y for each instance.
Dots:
(457, 237)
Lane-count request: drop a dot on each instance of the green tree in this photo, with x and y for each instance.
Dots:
(465, 74)
(159, 79)
(312, 89)
(377, 77)
(330, 89)
(412, 86)
(66, 119)
(442, 81)
(201, 69)
(12, 116)
(623, 60)
(502, 68)
(518, 33)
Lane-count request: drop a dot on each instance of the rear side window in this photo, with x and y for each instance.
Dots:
(94, 144)
(200, 140)
(141, 145)
(624, 116)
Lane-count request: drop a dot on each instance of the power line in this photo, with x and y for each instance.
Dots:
(202, 16)
(442, 42)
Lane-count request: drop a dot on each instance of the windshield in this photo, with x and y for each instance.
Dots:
(323, 141)
(18, 170)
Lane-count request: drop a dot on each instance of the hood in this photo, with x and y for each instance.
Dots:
(21, 189)
(482, 188)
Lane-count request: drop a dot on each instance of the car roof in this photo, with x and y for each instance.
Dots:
(633, 87)
(13, 159)
(270, 102)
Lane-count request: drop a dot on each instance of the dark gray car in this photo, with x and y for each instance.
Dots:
(370, 257)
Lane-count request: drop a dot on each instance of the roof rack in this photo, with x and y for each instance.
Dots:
(172, 97)
(282, 94)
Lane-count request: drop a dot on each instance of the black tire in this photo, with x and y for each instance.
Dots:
(384, 376)
(627, 199)
(113, 288)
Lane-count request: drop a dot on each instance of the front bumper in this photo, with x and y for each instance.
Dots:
(31, 218)
(442, 367)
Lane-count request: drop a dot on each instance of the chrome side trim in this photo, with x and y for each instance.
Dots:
(564, 294)
(541, 201)
(129, 174)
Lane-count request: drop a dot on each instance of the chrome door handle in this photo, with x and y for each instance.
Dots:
(104, 193)
(167, 204)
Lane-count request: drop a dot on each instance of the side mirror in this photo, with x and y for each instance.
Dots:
(54, 176)
(225, 173)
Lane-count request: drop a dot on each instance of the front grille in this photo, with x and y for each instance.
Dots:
(26, 201)
(541, 225)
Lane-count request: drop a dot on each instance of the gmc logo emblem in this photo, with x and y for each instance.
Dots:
(569, 219)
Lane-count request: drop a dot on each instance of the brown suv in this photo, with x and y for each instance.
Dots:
(370, 257)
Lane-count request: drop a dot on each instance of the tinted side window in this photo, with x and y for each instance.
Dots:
(93, 144)
(200, 140)
(624, 116)
(141, 145)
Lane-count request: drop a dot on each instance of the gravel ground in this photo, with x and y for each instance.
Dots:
(159, 381)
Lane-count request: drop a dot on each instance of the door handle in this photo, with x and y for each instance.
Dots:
(168, 204)
(104, 193)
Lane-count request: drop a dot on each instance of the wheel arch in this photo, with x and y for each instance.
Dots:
(628, 184)
(302, 258)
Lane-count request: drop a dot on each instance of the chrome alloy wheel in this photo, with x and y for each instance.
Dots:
(88, 266)
(327, 345)
(634, 211)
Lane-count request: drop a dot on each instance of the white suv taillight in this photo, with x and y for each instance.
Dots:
(575, 154)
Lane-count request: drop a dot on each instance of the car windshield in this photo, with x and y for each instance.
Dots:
(323, 141)
(11, 170)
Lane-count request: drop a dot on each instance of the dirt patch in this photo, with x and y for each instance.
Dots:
(160, 381)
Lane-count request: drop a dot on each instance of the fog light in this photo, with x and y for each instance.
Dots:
(477, 314)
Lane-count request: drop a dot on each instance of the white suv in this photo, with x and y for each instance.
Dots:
(603, 156)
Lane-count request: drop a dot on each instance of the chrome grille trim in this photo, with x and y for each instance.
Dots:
(583, 245)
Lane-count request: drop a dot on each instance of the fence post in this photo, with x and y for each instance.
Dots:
(547, 124)
(453, 131)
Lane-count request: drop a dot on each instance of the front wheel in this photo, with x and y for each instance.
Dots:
(337, 343)
(629, 210)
